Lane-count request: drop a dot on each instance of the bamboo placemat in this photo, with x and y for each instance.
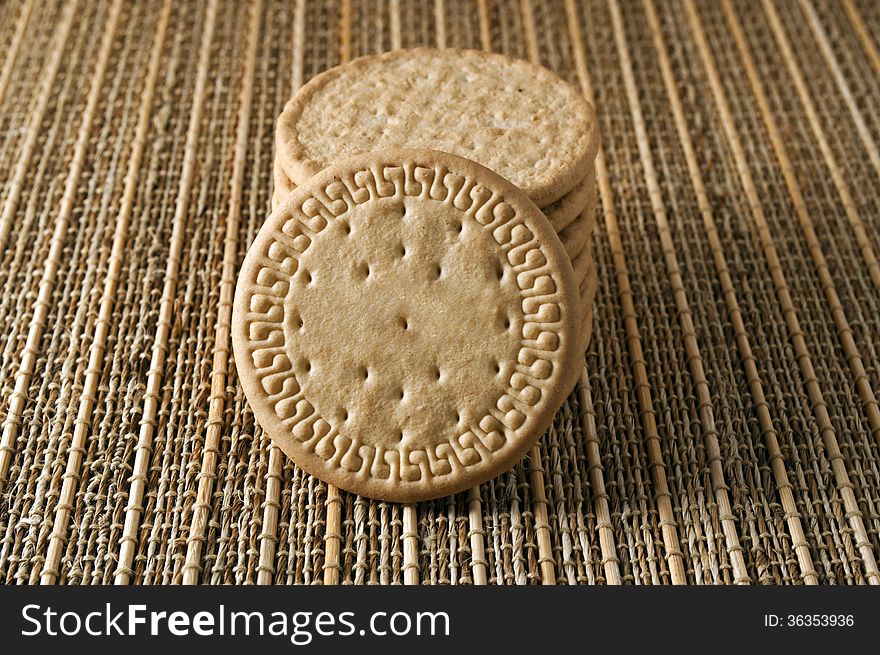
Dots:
(726, 428)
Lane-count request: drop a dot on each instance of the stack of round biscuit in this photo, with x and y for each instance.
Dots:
(516, 119)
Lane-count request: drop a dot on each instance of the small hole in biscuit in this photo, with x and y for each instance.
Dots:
(307, 366)
(402, 322)
(364, 373)
(307, 277)
(506, 322)
(457, 417)
(499, 270)
(400, 393)
(400, 435)
(438, 271)
(401, 250)
(496, 367)
(346, 227)
(437, 373)
(344, 414)
(363, 270)
(459, 228)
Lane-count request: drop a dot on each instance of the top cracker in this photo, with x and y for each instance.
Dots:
(517, 119)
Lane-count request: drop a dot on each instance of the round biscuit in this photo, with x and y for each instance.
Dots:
(405, 325)
(514, 117)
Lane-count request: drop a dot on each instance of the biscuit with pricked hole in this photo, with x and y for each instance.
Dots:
(406, 324)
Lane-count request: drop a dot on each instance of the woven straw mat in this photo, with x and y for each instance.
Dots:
(726, 427)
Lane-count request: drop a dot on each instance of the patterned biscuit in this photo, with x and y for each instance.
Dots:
(406, 324)
(516, 118)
